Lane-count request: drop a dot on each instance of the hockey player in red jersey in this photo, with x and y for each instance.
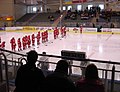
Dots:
(38, 38)
(29, 41)
(33, 39)
(62, 32)
(55, 33)
(3, 45)
(81, 29)
(26, 41)
(46, 36)
(13, 44)
(19, 44)
(43, 37)
(23, 42)
(39, 34)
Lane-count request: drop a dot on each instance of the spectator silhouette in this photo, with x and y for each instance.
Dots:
(77, 24)
(29, 78)
(59, 81)
(91, 82)
(112, 25)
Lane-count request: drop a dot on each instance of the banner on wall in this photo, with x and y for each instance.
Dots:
(2, 28)
(74, 29)
(110, 1)
(68, 1)
(13, 28)
(29, 28)
(79, 1)
(75, 1)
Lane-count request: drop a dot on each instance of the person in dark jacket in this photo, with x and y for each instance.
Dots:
(91, 82)
(59, 80)
(29, 78)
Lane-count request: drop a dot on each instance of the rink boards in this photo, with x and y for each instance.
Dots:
(68, 29)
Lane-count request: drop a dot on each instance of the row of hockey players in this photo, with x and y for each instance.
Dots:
(62, 31)
(28, 40)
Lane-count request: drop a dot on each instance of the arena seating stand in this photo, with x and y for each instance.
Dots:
(26, 17)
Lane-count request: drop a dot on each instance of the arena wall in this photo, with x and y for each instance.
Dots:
(6, 8)
(20, 10)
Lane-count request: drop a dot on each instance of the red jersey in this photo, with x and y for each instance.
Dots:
(19, 43)
(29, 40)
(3, 44)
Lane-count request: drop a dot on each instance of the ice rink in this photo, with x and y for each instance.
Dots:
(96, 46)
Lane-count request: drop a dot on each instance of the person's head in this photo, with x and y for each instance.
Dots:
(32, 56)
(44, 53)
(62, 66)
(91, 72)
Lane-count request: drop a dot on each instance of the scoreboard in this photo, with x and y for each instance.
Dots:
(73, 54)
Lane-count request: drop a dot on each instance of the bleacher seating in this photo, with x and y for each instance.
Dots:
(43, 17)
(26, 17)
(70, 22)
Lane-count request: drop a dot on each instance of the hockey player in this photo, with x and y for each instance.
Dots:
(81, 29)
(26, 41)
(0, 39)
(55, 33)
(43, 37)
(3, 45)
(23, 42)
(62, 32)
(33, 40)
(38, 38)
(46, 35)
(19, 44)
(13, 44)
(29, 41)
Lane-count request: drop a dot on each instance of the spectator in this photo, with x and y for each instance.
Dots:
(97, 20)
(93, 25)
(91, 82)
(112, 25)
(52, 18)
(59, 81)
(29, 78)
(77, 24)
